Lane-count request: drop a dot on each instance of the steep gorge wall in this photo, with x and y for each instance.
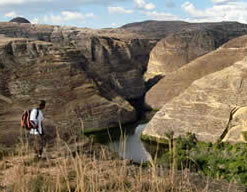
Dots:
(91, 74)
(116, 59)
(32, 70)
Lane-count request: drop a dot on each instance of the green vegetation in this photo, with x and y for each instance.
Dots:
(220, 160)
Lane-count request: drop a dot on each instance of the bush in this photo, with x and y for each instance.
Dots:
(220, 160)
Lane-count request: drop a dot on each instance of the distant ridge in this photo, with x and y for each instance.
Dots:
(160, 29)
(19, 20)
(152, 22)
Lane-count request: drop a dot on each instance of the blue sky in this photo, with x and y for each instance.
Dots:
(115, 13)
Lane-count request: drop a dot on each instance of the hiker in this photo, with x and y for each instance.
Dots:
(36, 136)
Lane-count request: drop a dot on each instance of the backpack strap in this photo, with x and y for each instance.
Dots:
(37, 113)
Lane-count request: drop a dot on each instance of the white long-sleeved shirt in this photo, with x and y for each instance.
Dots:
(37, 121)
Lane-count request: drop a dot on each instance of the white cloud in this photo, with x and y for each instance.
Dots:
(161, 16)
(68, 16)
(223, 1)
(35, 20)
(222, 10)
(63, 18)
(141, 4)
(190, 8)
(119, 10)
(10, 14)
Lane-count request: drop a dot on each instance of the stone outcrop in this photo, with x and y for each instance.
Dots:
(212, 107)
(178, 49)
(178, 81)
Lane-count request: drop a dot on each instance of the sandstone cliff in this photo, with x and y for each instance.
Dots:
(194, 40)
(34, 70)
(85, 75)
(115, 57)
(174, 61)
(88, 77)
(214, 106)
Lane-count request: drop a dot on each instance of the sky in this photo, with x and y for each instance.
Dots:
(115, 13)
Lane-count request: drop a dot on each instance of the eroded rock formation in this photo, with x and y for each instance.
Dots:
(34, 70)
(194, 40)
(88, 77)
(178, 81)
(212, 107)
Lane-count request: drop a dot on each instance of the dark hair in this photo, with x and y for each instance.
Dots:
(42, 103)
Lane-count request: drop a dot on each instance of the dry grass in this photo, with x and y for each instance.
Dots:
(82, 166)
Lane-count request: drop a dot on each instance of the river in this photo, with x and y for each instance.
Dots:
(126, 142)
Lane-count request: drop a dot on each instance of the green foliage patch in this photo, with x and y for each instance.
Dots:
(220, 160)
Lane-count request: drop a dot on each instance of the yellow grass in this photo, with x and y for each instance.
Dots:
(80, 167)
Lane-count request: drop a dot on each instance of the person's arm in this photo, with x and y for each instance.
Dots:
(33, 124)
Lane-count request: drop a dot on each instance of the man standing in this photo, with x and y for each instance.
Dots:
(37, 132)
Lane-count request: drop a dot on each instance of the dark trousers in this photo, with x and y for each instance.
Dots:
(37, 143)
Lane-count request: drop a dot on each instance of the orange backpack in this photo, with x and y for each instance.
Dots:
(25, 119)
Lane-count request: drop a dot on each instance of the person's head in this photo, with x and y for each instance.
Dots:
(42, 104)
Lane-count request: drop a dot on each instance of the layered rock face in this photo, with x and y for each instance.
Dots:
(85, 75)
(33, 70)
(212, 107)
(178, 49)
(88, 77)
(119, 62)
(176, 82)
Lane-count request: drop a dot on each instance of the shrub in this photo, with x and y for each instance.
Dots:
(220, 160)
